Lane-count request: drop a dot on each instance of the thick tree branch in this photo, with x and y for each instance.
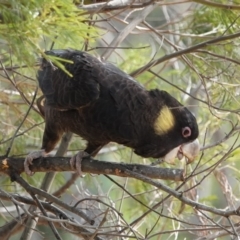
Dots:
(61, 164)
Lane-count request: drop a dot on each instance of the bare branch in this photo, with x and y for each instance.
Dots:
(46, 185)
(48, 206)
(16, 224)
(180, 196)
(114, 5)
(66, 186)
(218, 5)
(125, 32)
(182, 52)
(12, 227)
(61, 164)
(28, 188)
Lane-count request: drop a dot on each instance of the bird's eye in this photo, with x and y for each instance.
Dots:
(186, 132)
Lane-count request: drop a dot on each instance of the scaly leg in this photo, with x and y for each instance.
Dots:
(51, 136)
(76, 160)
(29, 160)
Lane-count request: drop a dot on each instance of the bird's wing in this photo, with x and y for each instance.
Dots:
(63, 91)
(122, 87)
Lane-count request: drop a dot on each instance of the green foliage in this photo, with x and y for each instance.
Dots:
(208, 21)
(26, 27)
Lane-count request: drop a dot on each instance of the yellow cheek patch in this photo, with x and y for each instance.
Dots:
(164, 122)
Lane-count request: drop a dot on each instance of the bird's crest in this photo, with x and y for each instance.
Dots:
(164, 122)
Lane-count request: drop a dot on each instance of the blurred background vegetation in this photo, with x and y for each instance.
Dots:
(205, 79)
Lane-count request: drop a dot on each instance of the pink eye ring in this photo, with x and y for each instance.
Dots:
(186, 132)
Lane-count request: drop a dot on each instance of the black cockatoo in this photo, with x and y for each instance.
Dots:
(102, 104)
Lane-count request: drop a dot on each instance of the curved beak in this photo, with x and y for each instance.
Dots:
(189, 150)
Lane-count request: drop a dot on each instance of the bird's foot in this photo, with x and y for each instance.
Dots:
(76, 161)
(29, 160)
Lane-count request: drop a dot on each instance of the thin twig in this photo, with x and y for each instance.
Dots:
(28, 188)
(182, 52)
(20, 125)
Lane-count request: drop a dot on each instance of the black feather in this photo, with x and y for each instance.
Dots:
(103, 104)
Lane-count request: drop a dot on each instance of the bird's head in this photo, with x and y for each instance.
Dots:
(178, 127)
